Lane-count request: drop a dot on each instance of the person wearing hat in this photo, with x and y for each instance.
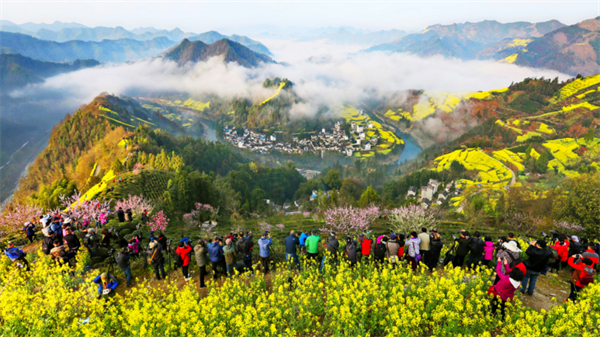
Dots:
(107, 283)
(312, 245)
(504, 289)
(202, 260)
(16, 255)
(332, 245)
(536, 262)
(156, 259)
(351, 251)
(509, 252)
(291, 243)
(30, 231)
(264, 244)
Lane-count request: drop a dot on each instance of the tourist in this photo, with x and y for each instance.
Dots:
(488, 251)
(464, 245)
(424, 245)
(291, 243)
(511, 237)
(302, 241)
(106, 285)
(392, 250)
(504, 290)
(413, 250)
(562, 248)
(312, 246)
(122, 259)
(156, 259)
(30, 231)
(217, 259)
(264, 244)
(106, 237)
(590, 253)
(366, 245)
(202, 260)
(583, 274)
(58, 253)
(509, 252)
(230, 256)
(121, 214)
(183, 251)
(435, 249)
(332, 245)
(536, 263)
(16, 255)
(351, 251)
(477, 245)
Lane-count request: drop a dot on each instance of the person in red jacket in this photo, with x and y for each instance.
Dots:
(366, 242)
(584, 273)
(184, 250)
(562, 248)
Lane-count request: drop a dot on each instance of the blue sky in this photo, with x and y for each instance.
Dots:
(256, 16)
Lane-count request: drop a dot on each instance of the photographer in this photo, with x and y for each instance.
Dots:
(332, 244)
(30, 231)
(477, 246)
(536, 262)
(424, 245)
(392, 250)
(16, 255)
(464, 245)
(183, 251)
(291, 243)
(413, 255)
(156, 259)
(202, 260)
(217, 259)
(106, 285)
(312, 246)
(230, 256)
(122, 259)
(562, 248)
(72, 241)
(264, 244)
(435, 249)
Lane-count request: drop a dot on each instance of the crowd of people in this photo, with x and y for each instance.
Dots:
(233, 254)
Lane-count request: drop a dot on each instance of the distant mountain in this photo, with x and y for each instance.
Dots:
(195, 51)
(17, 70)
(212, 36)
(573, 50)
(465, 40)
(62, 32)
(119, 51)
(347, 36)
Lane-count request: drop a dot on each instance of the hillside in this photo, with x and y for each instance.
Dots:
(18, 70)
(105, 51)
(212, 37)
(573, 50)
(188, 51)
(85, 148)
(465, 40)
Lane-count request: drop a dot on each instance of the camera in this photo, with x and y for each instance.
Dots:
(454, 237)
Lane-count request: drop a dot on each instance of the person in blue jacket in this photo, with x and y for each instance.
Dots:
(106, 285)
(303, 238)
(264, 244)
(217, 258)
(30, 231)
(16, 255)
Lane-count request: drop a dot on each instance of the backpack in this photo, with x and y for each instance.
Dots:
(554, 256)
(380, 250)
(587, 276)
(46, 246)
(178, 261)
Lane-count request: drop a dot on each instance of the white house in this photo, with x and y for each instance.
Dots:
(367, 146)
(349, 152)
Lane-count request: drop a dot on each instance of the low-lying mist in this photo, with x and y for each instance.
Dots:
(323, 75)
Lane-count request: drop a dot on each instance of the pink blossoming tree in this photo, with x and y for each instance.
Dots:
(410, 218)
(350, 220)
(158, 222)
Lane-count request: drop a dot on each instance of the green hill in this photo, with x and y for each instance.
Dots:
(17, 70)
(188, 51)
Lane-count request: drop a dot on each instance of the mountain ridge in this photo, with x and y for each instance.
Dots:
(194, 51)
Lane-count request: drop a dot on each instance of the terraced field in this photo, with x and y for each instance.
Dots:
(387, 139)
(490, 170)
(563, 152)
(578, 85)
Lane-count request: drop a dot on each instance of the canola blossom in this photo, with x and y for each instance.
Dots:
(341, 301)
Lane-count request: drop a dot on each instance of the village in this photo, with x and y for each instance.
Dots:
(334, 140)
(429, 191)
